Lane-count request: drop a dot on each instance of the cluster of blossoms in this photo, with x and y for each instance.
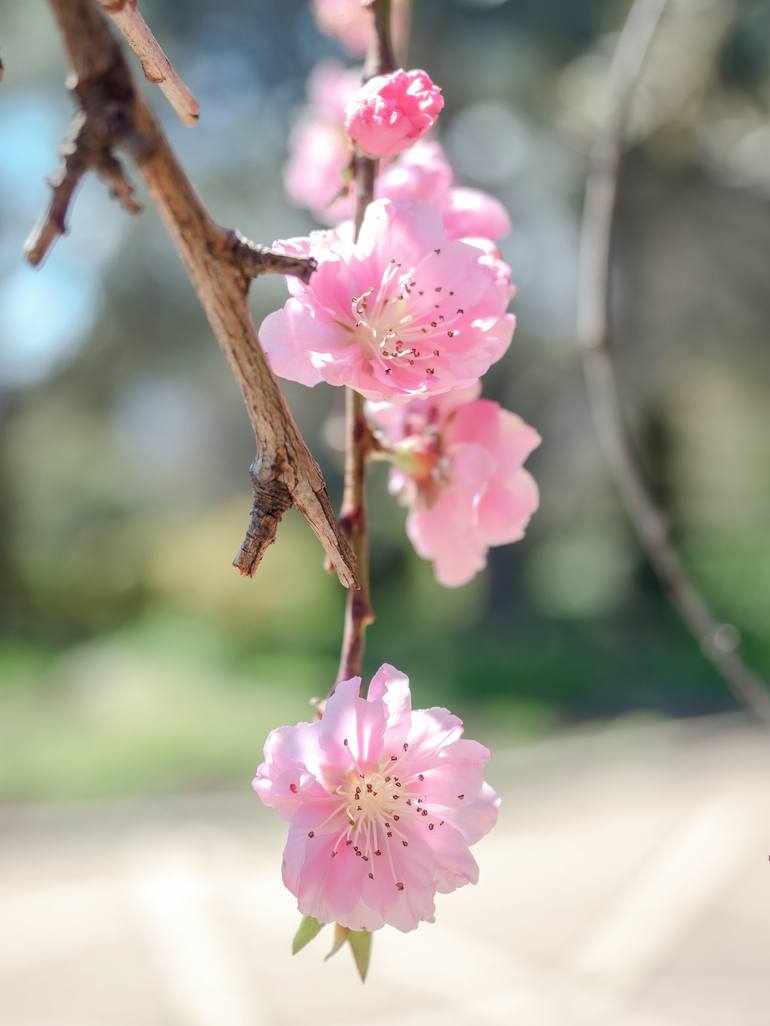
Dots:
(318, 172)
(412, 308)
(410, 311)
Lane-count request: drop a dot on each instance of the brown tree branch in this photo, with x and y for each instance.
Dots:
(253, 259)
(359, 613)
(719, 642)
(87, 147)
(220, 264)
(156, 66)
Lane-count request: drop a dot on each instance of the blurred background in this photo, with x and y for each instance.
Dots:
(135, 663)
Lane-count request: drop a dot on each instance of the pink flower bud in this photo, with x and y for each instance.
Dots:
(390, 112)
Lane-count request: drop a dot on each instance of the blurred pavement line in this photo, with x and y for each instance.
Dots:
(690, 869)
(171, 901)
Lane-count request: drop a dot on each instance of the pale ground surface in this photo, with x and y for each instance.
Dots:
(628, 884)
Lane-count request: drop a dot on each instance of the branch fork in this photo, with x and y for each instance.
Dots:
(98, 127)
(221, 263)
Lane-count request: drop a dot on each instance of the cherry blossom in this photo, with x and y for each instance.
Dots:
(319, 147)
(351, 23)
(403, 312)
(458, 466)
(346, 20)
(320, 152)
(423, 172)
(390, 112)
(383, 803)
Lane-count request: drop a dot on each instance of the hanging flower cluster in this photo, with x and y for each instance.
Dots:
(410, 311)
(413, 308)
(318, 172)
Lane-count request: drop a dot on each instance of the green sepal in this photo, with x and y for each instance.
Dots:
(308, 929)
(340, 936)
(361, 945)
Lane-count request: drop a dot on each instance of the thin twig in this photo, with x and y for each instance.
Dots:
(719, 642)
(254, 259)
(353, 519)
(220, 264)
(156, 66)
(359, 613)
(87, 147)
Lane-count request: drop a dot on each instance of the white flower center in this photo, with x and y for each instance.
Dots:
(377, 804)
(404, 325)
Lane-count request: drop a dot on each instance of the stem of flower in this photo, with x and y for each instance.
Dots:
(358, 607)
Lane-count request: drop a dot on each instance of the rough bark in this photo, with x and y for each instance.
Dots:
(220, 264)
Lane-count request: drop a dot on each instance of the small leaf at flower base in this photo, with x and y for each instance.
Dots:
(340, 936)
(309, 928)
(361, 945)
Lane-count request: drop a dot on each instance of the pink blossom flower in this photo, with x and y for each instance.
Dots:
(320, 154)
(351, 23)
(459, 468)
(423, 172)
(314, 175)
(401, 313)
(390, 112)
(346, 20)
(383, 802)
(319, 147)
(329, 88)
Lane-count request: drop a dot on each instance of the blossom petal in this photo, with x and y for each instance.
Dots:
(352, 728)
(507, 507)
(472, 213)
(289, 337)
(455, 866)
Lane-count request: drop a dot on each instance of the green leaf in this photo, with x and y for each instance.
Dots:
(361, 945)
(308, 929)
(340, 936)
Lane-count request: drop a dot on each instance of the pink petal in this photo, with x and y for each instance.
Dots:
(352, 729)
(284, 336)
(507, 507)
(472, 213)
(391, 687)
